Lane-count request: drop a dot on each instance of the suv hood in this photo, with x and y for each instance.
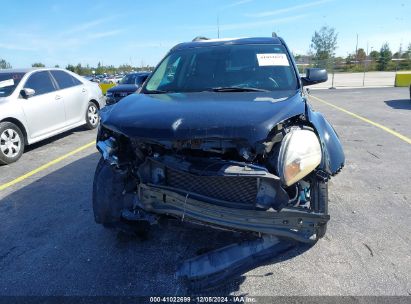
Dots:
(180, 116)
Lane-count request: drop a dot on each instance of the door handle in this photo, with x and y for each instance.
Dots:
(57, 97)
(84, 90)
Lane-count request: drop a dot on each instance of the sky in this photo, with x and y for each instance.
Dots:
(141, 32)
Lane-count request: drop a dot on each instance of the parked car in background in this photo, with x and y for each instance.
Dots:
(38, 103)
(220, 134)
(92, 78)
(128, 85)
(118, 78)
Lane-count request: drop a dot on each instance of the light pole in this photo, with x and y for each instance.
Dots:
(366, 59)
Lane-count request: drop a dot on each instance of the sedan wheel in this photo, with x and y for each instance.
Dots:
(11, 143)
(92, 116)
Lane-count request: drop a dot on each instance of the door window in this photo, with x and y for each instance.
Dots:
(65, 80)
(40, 82)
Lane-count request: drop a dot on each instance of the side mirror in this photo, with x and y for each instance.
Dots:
(314, 76)
(27, 93)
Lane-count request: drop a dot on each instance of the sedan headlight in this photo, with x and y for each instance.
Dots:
(300, 153)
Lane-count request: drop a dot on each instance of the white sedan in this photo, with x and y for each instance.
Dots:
(39, 103)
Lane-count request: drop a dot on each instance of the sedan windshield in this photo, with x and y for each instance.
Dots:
(9, 82)
(226, 68)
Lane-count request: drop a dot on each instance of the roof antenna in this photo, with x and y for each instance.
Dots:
(218, 26)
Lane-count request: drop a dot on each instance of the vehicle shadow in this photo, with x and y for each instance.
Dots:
(50, 245)
(54, 138)
(400, 104)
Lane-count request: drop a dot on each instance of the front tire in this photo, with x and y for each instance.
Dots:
(92, 116)
(319, 199)
(108, 200)
(11, 143)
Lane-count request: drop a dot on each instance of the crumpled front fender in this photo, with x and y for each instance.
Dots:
(333, 155)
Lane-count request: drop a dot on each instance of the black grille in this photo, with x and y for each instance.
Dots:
(238, 189)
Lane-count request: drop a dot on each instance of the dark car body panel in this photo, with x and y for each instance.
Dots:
(129, 88)
(333, 155)
(254, 40)
(122, 90)
(249, 116)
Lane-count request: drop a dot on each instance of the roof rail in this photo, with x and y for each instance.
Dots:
(200, 38)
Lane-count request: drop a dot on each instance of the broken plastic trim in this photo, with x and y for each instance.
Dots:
(108, 148)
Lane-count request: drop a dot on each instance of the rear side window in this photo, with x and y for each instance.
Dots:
(40, 82)
(65, 80)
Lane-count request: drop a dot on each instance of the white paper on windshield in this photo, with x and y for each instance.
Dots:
(272, 59)
(6, 83)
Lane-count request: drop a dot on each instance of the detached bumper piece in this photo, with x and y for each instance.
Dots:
(216, 267)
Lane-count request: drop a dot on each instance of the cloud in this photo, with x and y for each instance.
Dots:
(99, 35)
(240, 2)
(151, 44)
(15, 47)
(247, 25)
(394, 39)
(288, 9)
(87, 25)
(21, 40)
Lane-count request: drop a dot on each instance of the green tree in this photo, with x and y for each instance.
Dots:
(361, 55)
(70, 67)
(4, 64)
(125, 68)
(374, 55)
(38, 65)
(384, 58)
(323, 45)
(100, 69)
(57, 66)
(407, 53)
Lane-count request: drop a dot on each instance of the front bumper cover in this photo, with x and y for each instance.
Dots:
(299, 225)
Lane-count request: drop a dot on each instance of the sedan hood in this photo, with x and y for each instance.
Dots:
(180, 116)
(124, 88)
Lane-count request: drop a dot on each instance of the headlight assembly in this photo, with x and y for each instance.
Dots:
(300, 153)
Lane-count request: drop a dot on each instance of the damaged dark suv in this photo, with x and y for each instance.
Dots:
(220, 134)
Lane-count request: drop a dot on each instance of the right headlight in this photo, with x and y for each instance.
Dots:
(300, 154)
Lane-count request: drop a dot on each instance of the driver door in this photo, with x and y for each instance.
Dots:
(44, 111)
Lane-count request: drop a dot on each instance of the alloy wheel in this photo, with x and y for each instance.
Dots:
(92, 115)
(10, 143)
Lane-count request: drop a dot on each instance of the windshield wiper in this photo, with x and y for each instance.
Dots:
(236, 89)
(156, 92)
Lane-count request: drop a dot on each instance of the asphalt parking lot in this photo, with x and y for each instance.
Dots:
(50, 245)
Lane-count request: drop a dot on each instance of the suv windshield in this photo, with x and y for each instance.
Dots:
(8, 82)
(133, 79)
(225, 68)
